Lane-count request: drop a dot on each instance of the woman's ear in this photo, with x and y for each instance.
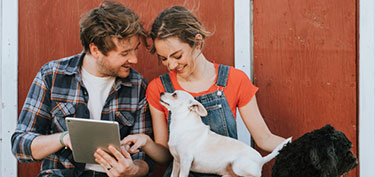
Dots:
(199, 41)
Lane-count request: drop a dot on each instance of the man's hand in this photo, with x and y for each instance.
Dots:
(119, 165)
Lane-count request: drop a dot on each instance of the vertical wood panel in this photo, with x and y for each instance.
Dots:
(367, 87)
(49, 30)
(8, 83)
(305, 66)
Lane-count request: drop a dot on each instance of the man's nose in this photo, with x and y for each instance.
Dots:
(133, 58)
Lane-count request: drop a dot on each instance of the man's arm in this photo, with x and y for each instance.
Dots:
(52, 142)
(29, 142)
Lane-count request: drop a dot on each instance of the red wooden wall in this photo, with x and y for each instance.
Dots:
(305, 55)
(49, 30)
(305, 64)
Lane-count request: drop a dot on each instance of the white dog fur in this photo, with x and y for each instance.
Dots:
(196, 148)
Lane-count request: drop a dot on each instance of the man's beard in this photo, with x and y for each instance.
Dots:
(107, 71)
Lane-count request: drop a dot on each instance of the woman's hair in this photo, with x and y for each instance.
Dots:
(110, 19)
(177, 21)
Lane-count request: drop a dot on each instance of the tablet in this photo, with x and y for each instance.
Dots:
(86, 135)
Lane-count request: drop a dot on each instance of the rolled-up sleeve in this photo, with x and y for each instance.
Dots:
(33, 121)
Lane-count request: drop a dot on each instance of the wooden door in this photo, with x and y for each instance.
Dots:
(305, 64)
(49, 30)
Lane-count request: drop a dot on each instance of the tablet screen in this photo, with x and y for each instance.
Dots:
(86, 135)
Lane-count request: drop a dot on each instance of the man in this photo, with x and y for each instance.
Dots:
(98, 83)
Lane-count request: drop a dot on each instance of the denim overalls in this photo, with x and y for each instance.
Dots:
(220, 117)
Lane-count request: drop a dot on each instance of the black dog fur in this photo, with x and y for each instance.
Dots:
(321, 153)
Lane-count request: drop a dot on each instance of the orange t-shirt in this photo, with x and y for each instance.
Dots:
(238, 92)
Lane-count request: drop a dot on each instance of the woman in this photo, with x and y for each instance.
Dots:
(178, 39)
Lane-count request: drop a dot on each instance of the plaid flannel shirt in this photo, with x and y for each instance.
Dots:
(58, 92)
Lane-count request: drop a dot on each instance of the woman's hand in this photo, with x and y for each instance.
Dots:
(135, 142)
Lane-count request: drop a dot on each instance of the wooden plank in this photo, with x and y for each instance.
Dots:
(242, 56)
(367, 87)
(8, 84)
(305, 64)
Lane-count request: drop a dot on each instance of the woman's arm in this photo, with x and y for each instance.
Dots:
(157, 150)
(257, 127)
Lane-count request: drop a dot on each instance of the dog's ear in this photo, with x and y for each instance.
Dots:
(198, 108)
(324, 160)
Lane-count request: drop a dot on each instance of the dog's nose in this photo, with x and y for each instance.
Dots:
(162, 93)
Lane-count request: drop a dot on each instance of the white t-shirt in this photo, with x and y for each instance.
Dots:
(98, 89)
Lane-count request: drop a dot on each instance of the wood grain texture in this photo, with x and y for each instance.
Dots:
(305, 64)
(49, 30)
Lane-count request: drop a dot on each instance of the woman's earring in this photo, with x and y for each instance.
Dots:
(199, 41)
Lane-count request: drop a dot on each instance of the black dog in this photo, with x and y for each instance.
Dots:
(321, 153)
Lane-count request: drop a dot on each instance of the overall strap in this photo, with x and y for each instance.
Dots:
(167, 83)
(168, 87)
(222, 75)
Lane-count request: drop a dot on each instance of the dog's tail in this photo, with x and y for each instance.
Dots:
(275, 152)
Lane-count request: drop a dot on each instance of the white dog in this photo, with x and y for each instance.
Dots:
(195, 147)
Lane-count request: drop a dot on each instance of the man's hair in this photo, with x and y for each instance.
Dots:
(111, 19)
(177, 21)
